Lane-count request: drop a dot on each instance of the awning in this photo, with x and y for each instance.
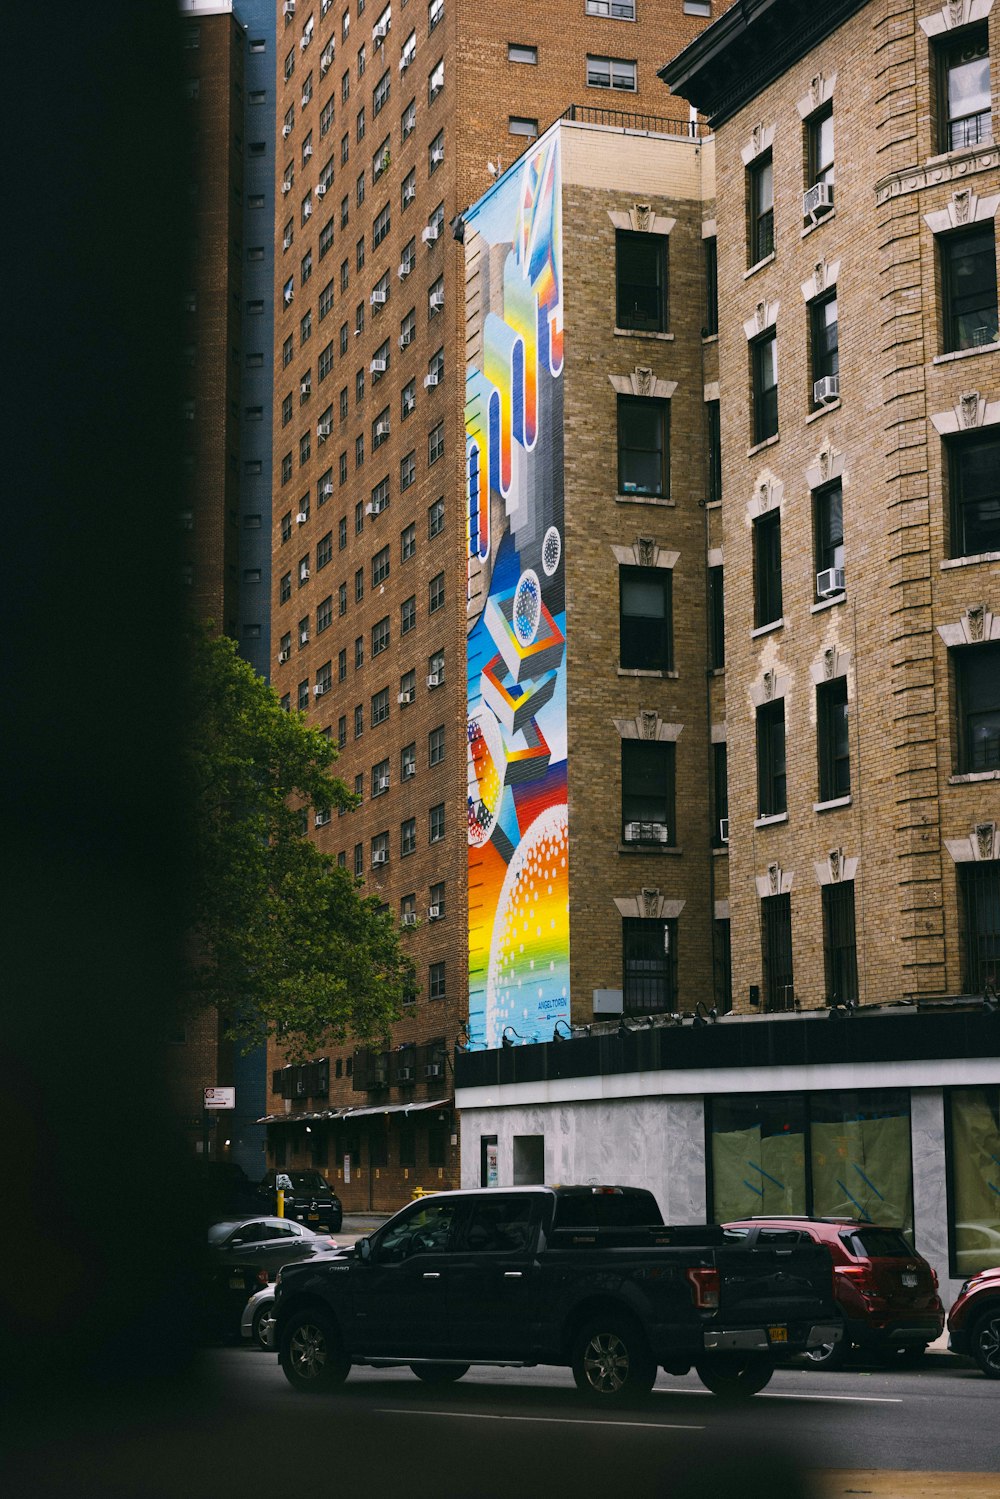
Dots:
(349, 1113)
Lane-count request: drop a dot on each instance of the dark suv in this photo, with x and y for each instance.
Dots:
(309, 1198)
(974, 1321)
(886, 1292)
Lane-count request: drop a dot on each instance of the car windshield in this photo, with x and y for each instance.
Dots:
(878, 1244)
(305, 1181)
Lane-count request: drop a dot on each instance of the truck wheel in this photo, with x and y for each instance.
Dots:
(984, 1344)
(736, 1376)
(311, 1353)
(829, 1355)
(439, 1373)
(611, 1361)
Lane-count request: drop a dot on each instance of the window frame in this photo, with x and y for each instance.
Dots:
(772, 759)
(647, 642)
(629, 447)
(654, 318)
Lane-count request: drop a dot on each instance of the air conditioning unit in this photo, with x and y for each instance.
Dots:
(404, 1074)
(288, 9)
(323, 429)
(303, 637)
(307, 150)
(433, 95)
(321, 819)
(307, 37)
(433, 913)
(321, 189)
(409, 406)
(287, 242)
(817, 199)
(326, 490)
(409, 771)
(430, 234)
(405, 267)
(382, 783)
(408, 195)
(723, 829)
(433, 1069)
(380, 856)
(284, 656)
(325, 61)
(380, 31)
(304, 574)
(829, 582)
(305, 100)
(405, 339)
(435, 679)
(826, 390)
(431, 380)
(377, 298)
(404, 61)
(405, 698)
(436, 301)
(381, 429)
(319, 690)
(408, 918)
(286, 130)
(302, 517)
(289, 297)
(379, 367)
(286, 187)
(437, 157)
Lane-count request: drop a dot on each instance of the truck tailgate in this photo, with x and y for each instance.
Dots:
(775, 1284)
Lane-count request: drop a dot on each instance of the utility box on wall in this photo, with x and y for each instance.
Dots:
(608, 1001)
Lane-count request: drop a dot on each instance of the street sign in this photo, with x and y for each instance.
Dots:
(220, 1098)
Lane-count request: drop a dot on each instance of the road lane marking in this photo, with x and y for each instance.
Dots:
(790, 1395)
(541, 1420)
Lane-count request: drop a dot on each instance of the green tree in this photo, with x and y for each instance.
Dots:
(284, 941)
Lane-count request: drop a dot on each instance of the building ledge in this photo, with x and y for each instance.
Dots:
(759, 266)
(833, 804)
(769, 442)
(660, 849)
(954, 354)
(837, 598)
(775, 624)
(969, 777)
(638, 671)
(817, 223)
(771, 820)
(643, 333)
(645, 499)
(969, 561)
(814, 416)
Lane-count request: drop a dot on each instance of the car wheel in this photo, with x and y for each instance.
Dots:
(829, 1355)
(985, 1343)
(735, 1376)
(439, 1373)
(612, 1363)
(311, 1353)
(260, 1329)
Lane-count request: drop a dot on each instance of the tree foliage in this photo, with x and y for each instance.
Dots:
(284, 940)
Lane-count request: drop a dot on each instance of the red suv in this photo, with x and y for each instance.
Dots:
(974, 1321)
(887, 1293)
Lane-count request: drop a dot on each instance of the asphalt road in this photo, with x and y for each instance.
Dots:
(526, 1433)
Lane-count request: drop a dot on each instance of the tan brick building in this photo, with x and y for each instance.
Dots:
(392, 119)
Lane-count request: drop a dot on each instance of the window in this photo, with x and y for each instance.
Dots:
(408, 188)
(380, 96)
(380, 636)
(342, 664)
(286, 526)
(435, 594)
(720, 793)
(819, 149)
(324, 678)
(285, 589)
(767, 568)
(342, 598)
(828, 538)
(645, 618)
(649, 965)
(342, 532)
(435, 13)
(345, 275)
(407, 688)
(648, 791)
(760, 209)
(641, 278)
(326, 117)
(964, 91)
(436, 982)
(436, 894)
(408, 615)
(436, 823)
(522, 125)
(516, 52)
(380, 227)
(711, 327)
(969, 288)
(359, 128)
(840, 954)
(714, 435)
(771, 795)
(435, 366)
(435, 81)
(611, 72)
(716, 620)
(325, 361)
(326, 240)
(823, 343)
(359, 859)
(697, 7)
(359, 721)
(435, 668)
(435, 443)
(764, 377)
(977, 684)
(408, 836)
(380, 427)
(359, 652)
(359, 585)
(435, 153)
(342, 731)
(380, 566)
(359, 248)
(286, 410)
(325, 300)
(408, 762)
(324, 614)
(407, 542)
(380, 772)
(776, 952)
(435, 746)
(407, 470)
(306, 268)
(287, 351)
(974, 492)
(303, 696)
(324, 550)
(380, 496)
(833, 741)
(643, 451)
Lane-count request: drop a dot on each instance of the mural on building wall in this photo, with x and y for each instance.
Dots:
(517, 809)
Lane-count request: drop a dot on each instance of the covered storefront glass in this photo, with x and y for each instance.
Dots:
(975, 1178)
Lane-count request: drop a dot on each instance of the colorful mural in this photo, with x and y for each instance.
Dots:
(517, 807)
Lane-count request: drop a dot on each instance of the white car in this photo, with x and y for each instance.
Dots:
(257, 1322)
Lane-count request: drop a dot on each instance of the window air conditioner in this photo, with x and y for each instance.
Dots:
(378, 298)
(437, 157)
(408, 195)
(322, 818)
(408, 918)
(723, 829)
(409, 771)
(404, 697)
(404, 61)
(283, 656)
(286, 187)
(307, 37)
(288, 9)
(430, 234)
(302, 517)
(817, 199)
(405, 339)
(287, 242)
(380, 31)
(326, 490)
(409, 406)
(431, 380)
(435, 90)
(304, 574)
(404, 1074)
(433, 1069)
(433, 913)
(381, 429)
(319, 690)
(436, 300)
(829, 582)
(404, 269)
(434, 680)
(323, 429)
(289, 297)
(321, 189)
(305, 100)
(303, 637)
(380, 857)
(307, 150)
(307, 209)
(826, 390)
(286, 130)
(379, 367)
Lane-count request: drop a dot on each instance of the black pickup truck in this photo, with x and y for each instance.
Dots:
(586, 1277)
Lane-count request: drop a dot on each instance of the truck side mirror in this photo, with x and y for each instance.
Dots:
(363, 1249)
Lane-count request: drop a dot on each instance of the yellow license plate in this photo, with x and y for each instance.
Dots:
(777, 1334)
(313, 1217)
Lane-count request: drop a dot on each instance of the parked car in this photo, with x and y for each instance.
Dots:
(243, 1256)
(974, 1321)
(309, 1198)
(257, 1321)
(885, 1291)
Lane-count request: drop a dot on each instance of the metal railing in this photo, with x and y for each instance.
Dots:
(592, 114)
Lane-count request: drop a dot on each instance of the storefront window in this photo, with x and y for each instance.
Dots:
(815, 1154)
(975, 1178)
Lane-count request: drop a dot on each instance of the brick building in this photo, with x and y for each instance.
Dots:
(392, 118)
(858, 536)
